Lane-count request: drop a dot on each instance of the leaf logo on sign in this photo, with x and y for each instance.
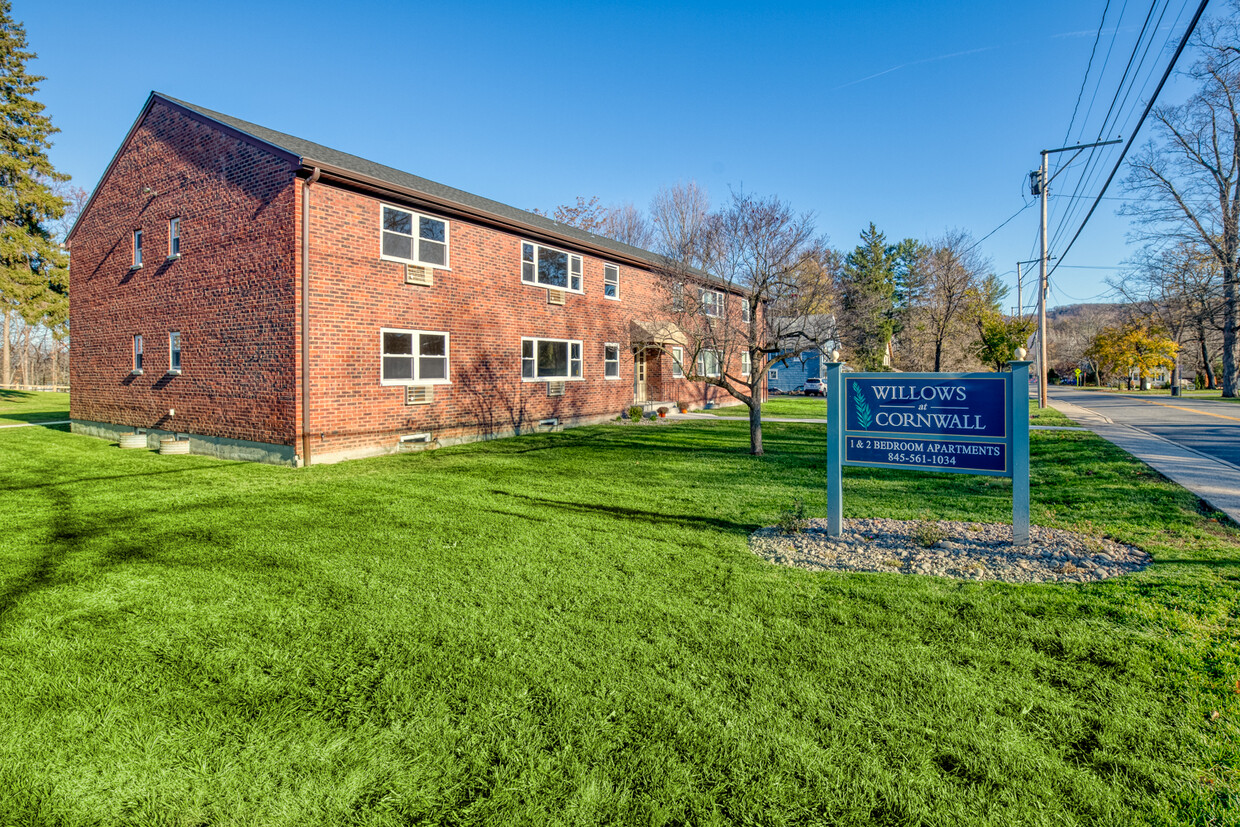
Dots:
(861, 406)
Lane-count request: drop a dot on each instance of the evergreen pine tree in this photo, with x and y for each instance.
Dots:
(868, 294)
(33, 267)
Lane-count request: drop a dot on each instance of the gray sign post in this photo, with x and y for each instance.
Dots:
(957, 423)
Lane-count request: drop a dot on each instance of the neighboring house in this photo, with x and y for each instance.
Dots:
(788, 374)
(277, 300)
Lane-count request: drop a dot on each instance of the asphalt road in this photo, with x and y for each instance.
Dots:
(1208, 426)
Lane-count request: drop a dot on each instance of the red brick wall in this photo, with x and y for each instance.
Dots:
(231, 294)
(484, 307)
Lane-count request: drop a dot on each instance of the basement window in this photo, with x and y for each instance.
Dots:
(413, 238)
(548, 267)
(543, 359)
(413, 357)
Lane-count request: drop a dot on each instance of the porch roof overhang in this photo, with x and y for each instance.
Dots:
(660, 334)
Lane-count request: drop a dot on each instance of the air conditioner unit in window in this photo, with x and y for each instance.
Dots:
(555, 296)
(555, 389)
(415, 274)
(419, 394)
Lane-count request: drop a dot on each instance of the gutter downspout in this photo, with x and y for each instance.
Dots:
(305, 316)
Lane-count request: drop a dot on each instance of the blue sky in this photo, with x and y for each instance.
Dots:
(918, 116)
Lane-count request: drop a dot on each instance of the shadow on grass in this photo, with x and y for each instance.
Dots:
(652, 517)
(66, 536)
(53, 484)
(7, 395)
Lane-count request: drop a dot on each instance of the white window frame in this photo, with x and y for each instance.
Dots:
(746, 363)
(569, 378)
(416, 240)
(137, 249)
(174, 238)
(716, 304)
(772, 373)
(174, 352)
(607, 362)
(746, 312)
(614, 281)
(701, 363)
(137, 353)
(573, 258)
(414, 357)
(678, 363)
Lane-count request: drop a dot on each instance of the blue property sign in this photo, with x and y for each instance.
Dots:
(935, 422)
(959, 423)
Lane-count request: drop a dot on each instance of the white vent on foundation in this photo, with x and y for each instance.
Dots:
(414, 439)
(555, 389)
(548, 424)
(555, 296)
(419, 394)
(419, 275)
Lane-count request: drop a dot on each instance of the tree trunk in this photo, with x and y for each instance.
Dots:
(1211, 384)
(6, 375)
(1231, 348)
(938, 355)
(26, 356)
(755, 429)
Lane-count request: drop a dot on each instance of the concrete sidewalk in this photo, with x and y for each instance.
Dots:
(1215, 481)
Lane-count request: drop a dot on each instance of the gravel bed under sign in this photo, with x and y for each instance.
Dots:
(967, 551)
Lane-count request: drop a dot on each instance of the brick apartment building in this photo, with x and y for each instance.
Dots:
(276, 300)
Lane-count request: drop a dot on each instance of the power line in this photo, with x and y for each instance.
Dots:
(1132, 138)
(1088, 66)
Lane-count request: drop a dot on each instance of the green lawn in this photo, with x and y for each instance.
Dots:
(797, 407)
(568, 628)
(32, 406)
(807, 407)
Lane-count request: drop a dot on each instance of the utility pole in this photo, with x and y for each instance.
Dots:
(1040, 185)
(1020, 287)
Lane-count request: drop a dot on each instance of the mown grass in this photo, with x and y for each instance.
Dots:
(797, 407)
(32, 406)
(568, 629)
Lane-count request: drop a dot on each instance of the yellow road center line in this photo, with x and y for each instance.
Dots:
(1190, 410)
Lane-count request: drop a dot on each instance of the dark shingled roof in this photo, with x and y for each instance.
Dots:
(310, 152)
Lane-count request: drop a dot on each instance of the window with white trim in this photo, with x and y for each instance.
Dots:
(678, 297)
(543, 359)
(548, 267)
(611, 361)
(773, 373)
(413, 238)
(174, 238)
(746, 363)
(413, 357)
(174, 352)
(611, 281)
(137, 353)
(137, 248)
(711, 301)
(708, 362)
(678, 362)
(746, 311)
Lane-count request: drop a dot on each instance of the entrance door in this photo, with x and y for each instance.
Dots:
(639, 375)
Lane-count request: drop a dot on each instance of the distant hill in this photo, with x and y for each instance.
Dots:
(1072, 311)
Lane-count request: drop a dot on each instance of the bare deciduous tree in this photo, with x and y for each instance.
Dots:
(736, 286)
(1189, 182)
(1179, 289)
